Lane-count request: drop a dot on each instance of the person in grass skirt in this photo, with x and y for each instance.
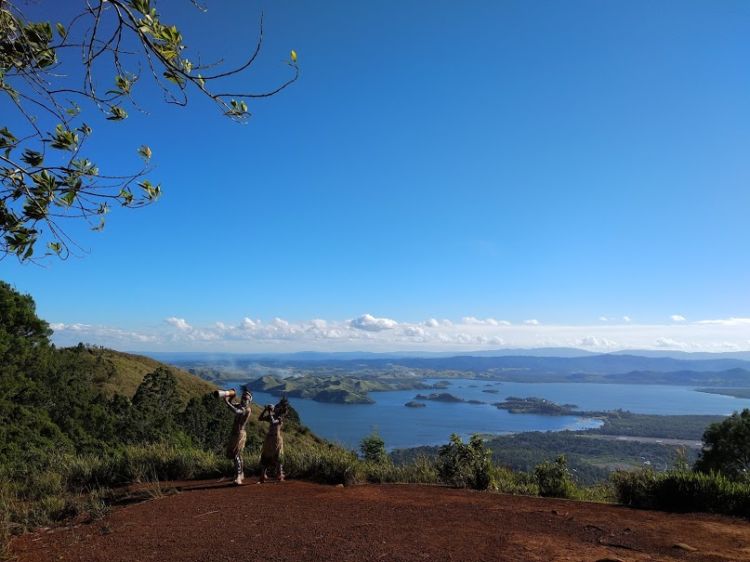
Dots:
(238, 436)
(272, 453)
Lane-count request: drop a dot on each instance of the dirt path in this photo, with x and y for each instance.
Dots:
(209, 521)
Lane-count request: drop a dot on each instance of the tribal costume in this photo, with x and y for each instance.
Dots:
(273, 447)
(239, 436)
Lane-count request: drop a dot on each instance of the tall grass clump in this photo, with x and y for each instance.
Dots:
(326, 464)
(419, 471)
(683, 491)
(5, 523)
(507, 481)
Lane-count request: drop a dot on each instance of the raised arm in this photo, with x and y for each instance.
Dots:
(236, 409)
(265, 415)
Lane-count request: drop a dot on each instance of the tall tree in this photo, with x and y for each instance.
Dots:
(726, 447)
(45, 176)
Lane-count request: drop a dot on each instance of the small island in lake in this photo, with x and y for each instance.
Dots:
(491, 391)
(475, 402)
(415, 404)
(439, 397)
(333, 388)
(533, 405)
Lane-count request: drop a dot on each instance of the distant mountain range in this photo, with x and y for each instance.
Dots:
(560, 352)
(538, 363)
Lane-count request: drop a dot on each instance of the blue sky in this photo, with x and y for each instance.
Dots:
(561, 162)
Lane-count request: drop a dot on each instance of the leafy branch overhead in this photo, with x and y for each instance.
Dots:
(44, 175)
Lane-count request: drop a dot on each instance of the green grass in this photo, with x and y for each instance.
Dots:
(683, 491)
(121, 373)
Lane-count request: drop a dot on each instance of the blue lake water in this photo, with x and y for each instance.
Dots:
(409, 427)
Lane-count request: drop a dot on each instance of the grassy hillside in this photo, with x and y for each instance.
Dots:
(115, 372)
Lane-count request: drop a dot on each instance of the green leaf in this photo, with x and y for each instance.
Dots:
(145, 152)
(64, 139)
(61, 30)
(126, 195)
(6, 138)
(143, 6)
(32, 158)
(73, 110)
(69, 198)
(55, 247)
(116, 113)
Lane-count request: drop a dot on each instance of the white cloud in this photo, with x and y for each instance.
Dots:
(626, 319)
(472, 321)
(414, 331)
(532, 322)
(179, 323)
(248, 324)
(432, 323)
(603, 318)
(369, 323)
(728, 322)
(669, 343)
(677, 318)
(596, 342)
(71, 334)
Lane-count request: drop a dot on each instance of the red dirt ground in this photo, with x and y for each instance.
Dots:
(210, 521)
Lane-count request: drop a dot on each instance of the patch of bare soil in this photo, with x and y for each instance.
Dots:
(210, 521)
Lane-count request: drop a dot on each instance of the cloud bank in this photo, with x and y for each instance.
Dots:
(369, 332)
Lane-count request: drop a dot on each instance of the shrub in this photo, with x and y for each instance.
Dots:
(465, 465)
(372, 448)
(554, 480)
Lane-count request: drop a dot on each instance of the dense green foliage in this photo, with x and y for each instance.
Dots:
(465, 465)
(554, 479)
(727, 447)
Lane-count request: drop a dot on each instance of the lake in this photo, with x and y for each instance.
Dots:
(402, 427)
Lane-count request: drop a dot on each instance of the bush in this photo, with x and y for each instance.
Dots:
(554, 480)
(465, 465)
(372, 448)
